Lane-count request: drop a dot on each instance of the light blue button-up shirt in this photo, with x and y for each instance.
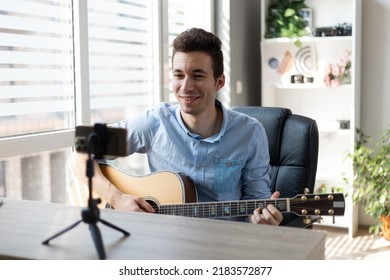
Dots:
(231, 165)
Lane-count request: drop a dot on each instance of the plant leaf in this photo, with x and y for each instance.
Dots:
(289, 12)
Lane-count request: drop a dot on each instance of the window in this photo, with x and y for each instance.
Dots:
(37, 97)
(53, 77)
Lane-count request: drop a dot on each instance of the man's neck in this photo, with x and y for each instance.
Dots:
(205, 124)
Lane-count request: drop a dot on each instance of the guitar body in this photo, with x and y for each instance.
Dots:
(167, 187)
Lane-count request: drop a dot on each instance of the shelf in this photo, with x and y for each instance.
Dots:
(338, 132)
(308, 39)
(315, 85)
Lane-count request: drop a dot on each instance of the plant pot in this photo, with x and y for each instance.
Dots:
(386, 226)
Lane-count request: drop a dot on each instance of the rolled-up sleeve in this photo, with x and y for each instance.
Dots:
(256, 173)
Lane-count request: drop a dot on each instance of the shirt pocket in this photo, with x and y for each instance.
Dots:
(227, 176)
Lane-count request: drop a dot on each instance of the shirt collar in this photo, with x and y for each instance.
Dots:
(213, 138)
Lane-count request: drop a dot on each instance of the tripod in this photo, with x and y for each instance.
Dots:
(91, 215)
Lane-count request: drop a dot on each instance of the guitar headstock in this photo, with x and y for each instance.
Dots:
(327, 204)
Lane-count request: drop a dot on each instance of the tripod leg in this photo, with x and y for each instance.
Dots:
(97, 239)
(115, 227)
(46, 242)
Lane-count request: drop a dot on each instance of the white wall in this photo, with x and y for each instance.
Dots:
(375, 95)
(375, 71)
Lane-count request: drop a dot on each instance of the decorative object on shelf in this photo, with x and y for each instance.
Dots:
(345, 124)
(340, 73)
(343, 29)
(307, 16)
(289, 19)
(297, 79)
(372, 180)
(325, 31)
(285, 64)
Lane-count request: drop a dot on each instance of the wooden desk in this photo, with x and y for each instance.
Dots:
(25, 224)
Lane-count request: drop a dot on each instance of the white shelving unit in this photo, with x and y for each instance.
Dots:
(327, 105)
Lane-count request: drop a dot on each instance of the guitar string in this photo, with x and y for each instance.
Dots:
(212, 209)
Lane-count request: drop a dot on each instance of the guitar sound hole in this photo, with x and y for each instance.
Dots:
(154, 205)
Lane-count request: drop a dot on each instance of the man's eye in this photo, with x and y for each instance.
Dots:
(198, 77)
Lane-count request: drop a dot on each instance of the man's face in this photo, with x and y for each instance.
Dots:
(193, 82)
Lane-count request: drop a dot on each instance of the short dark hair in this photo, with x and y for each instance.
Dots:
(197, 39)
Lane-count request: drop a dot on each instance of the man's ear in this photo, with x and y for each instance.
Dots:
(220, 82)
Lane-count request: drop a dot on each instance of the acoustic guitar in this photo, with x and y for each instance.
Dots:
(173, 194)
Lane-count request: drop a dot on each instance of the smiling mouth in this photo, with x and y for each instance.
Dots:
(189, 98)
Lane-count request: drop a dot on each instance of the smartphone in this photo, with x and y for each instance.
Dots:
(112, 140)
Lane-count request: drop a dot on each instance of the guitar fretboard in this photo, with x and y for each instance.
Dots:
(222, 209)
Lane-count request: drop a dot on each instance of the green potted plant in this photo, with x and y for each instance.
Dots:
(372, 180)
(284, 20)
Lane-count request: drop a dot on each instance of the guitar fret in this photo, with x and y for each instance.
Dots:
(251, 206)
(213, 210)
(261, 204)
(218, 207)
(235, 208)
(205, 211)
(176, 210)
(195, 212)
(187, 211)
(226, 208)
(281, 205)
(242, 208)
(200, 211)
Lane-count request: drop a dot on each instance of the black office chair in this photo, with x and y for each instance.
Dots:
(293, 146)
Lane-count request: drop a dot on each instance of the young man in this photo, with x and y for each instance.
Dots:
(225, 153)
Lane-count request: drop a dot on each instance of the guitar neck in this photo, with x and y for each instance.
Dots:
(222, 209)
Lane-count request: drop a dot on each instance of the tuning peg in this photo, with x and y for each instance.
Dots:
(307, 220)
(332, 190)
(333, 219)
(306, 191)
(320, 220)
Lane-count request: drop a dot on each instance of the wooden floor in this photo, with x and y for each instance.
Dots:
(363, 246)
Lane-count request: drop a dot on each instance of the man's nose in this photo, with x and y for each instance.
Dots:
(188, 84)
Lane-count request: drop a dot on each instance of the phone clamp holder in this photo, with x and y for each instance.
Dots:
(97, 141)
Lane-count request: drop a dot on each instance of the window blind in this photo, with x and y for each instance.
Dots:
(36, 66)
(121, 59)
(182, 15)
